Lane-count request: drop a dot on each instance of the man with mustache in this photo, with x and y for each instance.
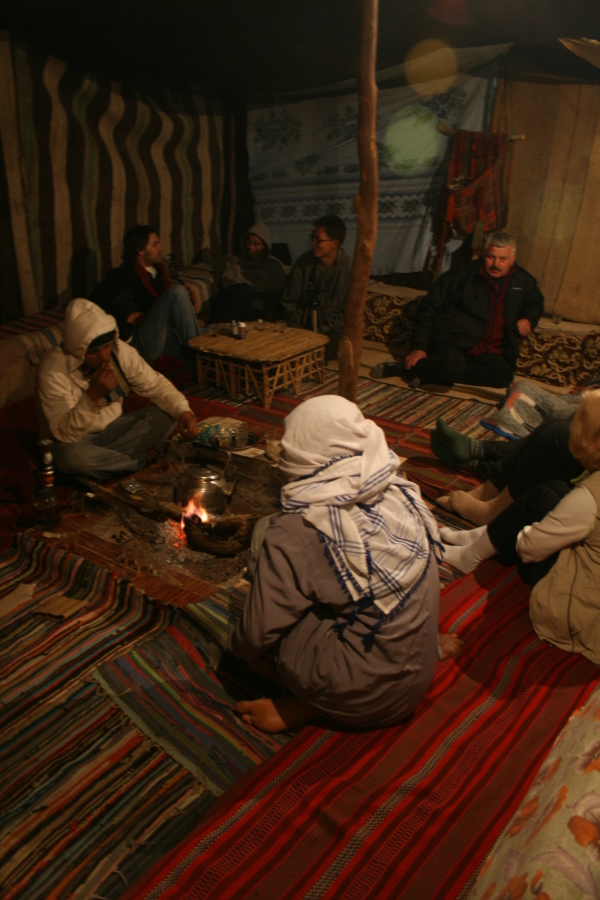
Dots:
(469, 326)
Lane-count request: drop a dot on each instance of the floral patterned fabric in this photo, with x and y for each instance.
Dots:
(551, 847)
(390, 320)
(555, 358)
(303, 163)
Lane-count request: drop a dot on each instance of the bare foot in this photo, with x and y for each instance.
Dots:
(449, 645)
(485, 491)
(480, 512)
(274, 716)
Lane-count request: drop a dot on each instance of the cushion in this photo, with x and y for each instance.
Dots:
(526, 407)
(551, 847)
(554, 358)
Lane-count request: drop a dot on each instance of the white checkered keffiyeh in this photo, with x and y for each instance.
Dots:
(378, 533)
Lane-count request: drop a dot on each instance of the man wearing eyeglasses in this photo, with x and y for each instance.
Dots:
(315, 292)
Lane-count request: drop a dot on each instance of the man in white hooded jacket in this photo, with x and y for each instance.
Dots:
(80, 389)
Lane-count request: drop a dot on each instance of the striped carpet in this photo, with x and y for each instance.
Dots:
(181, 689)
(86, 798)
(409, 811)
(375, 399)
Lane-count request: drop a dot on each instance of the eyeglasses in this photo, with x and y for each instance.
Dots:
(315, 240)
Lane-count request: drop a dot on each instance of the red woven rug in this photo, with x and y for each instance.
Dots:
(409, 811)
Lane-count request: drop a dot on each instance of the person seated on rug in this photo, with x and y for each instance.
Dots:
(80, 388)
(317, 286)
(153, 315)
(552, 534)
(343, 606)
(469, 325)
(250, 284)
(509, 467)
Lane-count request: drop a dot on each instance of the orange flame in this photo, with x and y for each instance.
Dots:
(193, 510)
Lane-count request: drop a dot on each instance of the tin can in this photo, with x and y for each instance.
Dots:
(242, 330)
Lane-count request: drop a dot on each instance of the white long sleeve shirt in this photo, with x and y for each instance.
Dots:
(568, 523)
(66, 411)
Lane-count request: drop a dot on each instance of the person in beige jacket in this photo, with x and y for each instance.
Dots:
(552, 533)
(80, 389)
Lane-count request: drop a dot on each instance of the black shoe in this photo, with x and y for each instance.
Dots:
(386, 369)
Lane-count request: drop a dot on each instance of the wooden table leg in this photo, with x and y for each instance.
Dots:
(267, 392)
(201, 369)
(233, 380)
(320, 363)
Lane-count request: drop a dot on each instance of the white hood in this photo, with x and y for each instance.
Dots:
(85, 321)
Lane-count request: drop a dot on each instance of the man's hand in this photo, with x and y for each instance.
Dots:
(524, 327)
(413, 358)
(134, 318)
(102, 382)
(188, 426)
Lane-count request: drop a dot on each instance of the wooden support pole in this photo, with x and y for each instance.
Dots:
(365, 203)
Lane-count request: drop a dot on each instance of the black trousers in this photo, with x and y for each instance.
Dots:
(445, 364)
(542, 456)
(531, 507)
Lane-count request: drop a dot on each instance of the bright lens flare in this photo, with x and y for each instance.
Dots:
(431, 68)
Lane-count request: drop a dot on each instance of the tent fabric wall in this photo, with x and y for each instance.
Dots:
(85, 160)
(304, 163)
(554, 211)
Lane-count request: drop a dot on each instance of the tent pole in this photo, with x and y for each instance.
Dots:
(365, 203)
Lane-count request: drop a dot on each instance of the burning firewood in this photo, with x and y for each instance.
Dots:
(222, 535)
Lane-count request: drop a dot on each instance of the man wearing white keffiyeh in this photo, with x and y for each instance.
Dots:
(343, 607)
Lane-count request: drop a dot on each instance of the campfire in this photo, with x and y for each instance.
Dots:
(192, 511)
(223, 535)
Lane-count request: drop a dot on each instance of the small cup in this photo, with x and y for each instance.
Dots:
(240, 435)
(225, 436)
(280, 326)
(272, 443)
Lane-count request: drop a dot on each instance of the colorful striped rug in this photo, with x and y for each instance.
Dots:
(376, 400)
(86, 798)
(409, 811)
(181, 690)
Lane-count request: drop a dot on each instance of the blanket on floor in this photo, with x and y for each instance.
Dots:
(407, 811)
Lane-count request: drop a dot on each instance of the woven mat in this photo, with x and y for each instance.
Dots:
(86, 798)
(376, 399)
(407, 811)
(181, 690)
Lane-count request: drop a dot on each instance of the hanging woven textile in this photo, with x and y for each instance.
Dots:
(475, 198)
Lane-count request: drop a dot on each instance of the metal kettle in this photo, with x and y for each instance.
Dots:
(206, 486)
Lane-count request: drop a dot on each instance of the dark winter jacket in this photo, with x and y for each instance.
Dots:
(457, 308)
(123, 292)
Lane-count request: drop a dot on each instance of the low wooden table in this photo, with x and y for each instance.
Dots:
(266, 359)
